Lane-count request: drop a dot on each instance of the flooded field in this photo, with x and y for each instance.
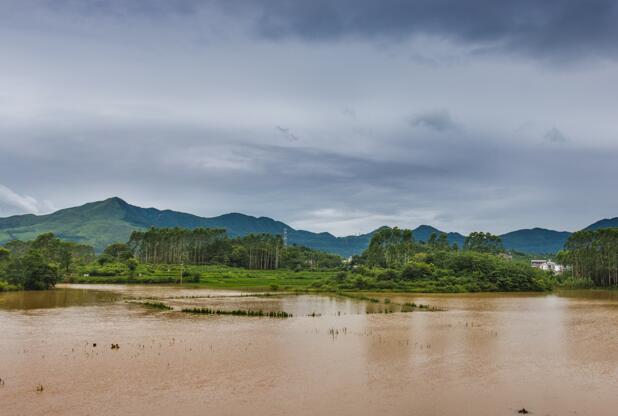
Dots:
(554, 354)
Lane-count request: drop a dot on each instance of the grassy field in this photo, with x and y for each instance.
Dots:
(486, 274)
(221, 277)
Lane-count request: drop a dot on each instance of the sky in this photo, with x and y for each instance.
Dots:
(338, 116)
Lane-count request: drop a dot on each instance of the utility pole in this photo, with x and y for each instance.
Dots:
(182, 270)
(285, 237)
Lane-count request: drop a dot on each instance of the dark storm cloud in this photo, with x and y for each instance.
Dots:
(547, 29)
(550, 28)
(538, 27)
(120, 8)
(336, 116)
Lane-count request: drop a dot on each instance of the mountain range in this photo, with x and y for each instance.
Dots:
(112, 220)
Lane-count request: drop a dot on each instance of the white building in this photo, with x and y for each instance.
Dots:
(548, 265)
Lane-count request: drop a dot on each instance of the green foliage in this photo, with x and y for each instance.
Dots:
(7, 287)
(483, 243)
(215, 276)
(438, 241)
(119, 252)
(32, 271)
(4, 254)
(299, 258)
(445, 271)
(577, 283)
(416, 270)
(390, 247)
(593, 256)
(103, 259)
(212, 246)
(38, 264)
(132, 266)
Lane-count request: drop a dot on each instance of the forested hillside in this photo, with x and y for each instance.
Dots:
(113, 220)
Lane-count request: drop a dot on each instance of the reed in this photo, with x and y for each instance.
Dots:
(238, 312)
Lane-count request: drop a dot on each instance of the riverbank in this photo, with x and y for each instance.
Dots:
(7, 287)
(215, 277)
(221, 277)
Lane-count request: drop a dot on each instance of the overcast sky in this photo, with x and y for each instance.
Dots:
(337, 116)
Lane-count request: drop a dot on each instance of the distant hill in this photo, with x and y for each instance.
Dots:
(112, 220)
(604, 223)
(535, 240)
(101, 223)
(423, 232)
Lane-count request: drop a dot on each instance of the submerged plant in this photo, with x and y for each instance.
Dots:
(238, 312)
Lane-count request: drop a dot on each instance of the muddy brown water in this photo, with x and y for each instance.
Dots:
(554, 354)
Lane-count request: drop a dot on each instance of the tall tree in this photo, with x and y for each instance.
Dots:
(483, 243)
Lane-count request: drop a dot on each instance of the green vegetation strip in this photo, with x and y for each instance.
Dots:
(238, 312)
(158, 305)
(155, 305)
(405, 307)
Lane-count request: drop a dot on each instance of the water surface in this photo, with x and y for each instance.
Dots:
(484, 354)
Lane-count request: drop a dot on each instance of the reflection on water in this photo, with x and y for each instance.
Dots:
(555, 354)
(58, 298)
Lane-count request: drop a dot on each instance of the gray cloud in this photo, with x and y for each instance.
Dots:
(554, 29)
(198, 105)
(287, 133)
(578, 27)
(462, 185)
(556, 136)
(14, 203)
(439, 120)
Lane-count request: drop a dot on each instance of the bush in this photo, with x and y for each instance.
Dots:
(6, 286)
(446, 271)
(388, 274)
(32, 272)
(416, 271)
(103, 273)
(341, 277)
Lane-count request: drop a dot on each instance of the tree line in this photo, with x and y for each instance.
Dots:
(395, 261)
(395, 247)
(38, 264)
(593, 254)
(203, 246)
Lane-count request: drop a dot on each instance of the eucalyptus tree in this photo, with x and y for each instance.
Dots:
(483, 243)
(390, 247)
(593, 254)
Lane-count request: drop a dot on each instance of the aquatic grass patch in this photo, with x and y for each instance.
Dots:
(358, 297)
(238, 312)
(392, 307)
(411, 306)
(154, 305)
(158, 305)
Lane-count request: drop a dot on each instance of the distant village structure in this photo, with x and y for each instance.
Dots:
(548, 265)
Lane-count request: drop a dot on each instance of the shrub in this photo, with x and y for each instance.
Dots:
(388, 274)
(416, 271)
